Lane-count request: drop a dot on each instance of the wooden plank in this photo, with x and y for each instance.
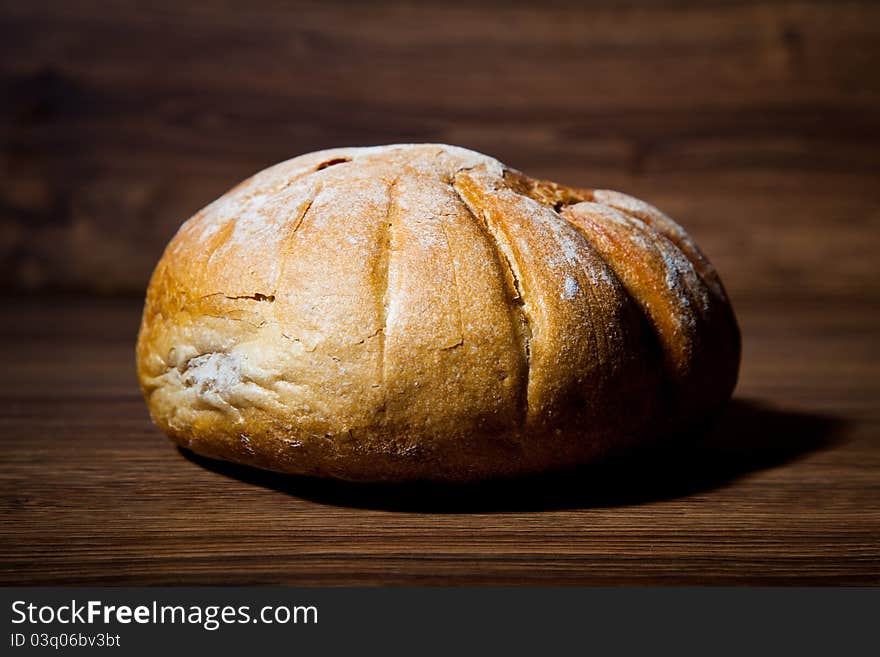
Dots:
(785, 491)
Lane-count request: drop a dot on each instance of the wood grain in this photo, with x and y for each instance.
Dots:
(119, 120)
(785, 490)
(756, 124)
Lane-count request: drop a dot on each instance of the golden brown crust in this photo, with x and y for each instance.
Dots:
(421, 312)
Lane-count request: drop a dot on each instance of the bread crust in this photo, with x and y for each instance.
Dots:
(422, 312)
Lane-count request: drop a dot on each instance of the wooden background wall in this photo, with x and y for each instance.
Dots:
(756, 124)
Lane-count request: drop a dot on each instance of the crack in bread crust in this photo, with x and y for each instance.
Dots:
(383, 264)
(519, 316)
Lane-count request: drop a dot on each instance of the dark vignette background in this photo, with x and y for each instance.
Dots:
(756, 124)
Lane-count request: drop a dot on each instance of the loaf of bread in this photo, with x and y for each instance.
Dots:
(423, 312)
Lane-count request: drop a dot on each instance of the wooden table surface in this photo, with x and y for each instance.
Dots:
(755, 123)
(786, 489)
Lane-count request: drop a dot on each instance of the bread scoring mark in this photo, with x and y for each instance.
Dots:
(301, 216)
(304, 212)
(682, 280)
(674, 315)
(610, 273)
(332, 162)
(382, 268)
(688, 275)
(519, 317)
(501, 251)
(670, 229)
(572, 254)
(454, 269)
